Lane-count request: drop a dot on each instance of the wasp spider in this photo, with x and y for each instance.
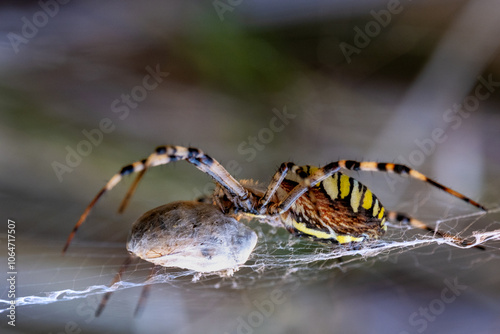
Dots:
(320, 202)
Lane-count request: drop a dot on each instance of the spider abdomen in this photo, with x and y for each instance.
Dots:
(338, 208)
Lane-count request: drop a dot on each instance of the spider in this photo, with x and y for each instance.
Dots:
(318, 202)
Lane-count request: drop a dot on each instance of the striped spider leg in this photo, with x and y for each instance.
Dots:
(211, 254)
(195, 156)
(162, 156)
(326, 204)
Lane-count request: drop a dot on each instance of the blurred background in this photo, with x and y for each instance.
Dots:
(88, 87)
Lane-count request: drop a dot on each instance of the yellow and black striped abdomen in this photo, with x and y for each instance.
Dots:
(339, 208)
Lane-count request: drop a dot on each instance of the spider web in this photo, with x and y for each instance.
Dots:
(278, 258)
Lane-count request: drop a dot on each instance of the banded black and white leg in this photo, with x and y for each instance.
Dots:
(404, 219)
(273, 186)
(369, 166)
(164, 155)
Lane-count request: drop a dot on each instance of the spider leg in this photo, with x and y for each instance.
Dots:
(116, 279)
(202, 161)
(131, 190)
(308, 182)
(134, 167)
(328, 170)
(407, 220)
(273, 186)
(163, 155)
(144, 294)
(402, 170)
